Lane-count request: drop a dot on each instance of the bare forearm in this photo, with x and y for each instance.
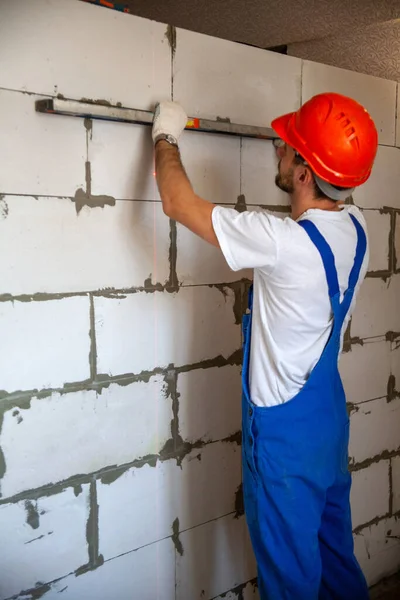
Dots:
(173, 183)
(180, 203)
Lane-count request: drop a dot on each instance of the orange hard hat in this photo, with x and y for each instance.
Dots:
(336, 137)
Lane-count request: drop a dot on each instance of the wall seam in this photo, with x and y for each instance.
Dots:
(108, 474)
(93, 344)
(357, 530)
(22, 398)
(385, 455)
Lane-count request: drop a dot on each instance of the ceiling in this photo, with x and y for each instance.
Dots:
(267, 23)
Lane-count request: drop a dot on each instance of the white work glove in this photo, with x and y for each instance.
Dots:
(169, 120)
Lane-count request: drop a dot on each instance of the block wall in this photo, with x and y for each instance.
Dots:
(120, 356)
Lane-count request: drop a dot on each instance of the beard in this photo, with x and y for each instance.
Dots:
(284, 181)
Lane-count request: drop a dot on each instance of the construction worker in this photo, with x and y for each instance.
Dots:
(307, 272)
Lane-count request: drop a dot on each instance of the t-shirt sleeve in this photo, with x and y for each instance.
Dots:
(248, 240)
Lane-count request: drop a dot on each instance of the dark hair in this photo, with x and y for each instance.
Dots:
(318, 193)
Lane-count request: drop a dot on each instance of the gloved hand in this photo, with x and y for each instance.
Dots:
(169, 119)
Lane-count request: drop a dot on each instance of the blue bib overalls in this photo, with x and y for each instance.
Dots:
(296, 481)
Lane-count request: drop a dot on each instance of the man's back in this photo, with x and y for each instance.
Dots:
(292, 315)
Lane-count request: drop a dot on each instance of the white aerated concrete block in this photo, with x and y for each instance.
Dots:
(395, 462)
(56, 251)
(143, 331)
(374, 429)
(217, 78)
(45, 344)
(365, 371)
(148, 574)
(213, 167)
(147, 504)
(50, 47)
(378, 226)
(199, 262)
(206, 487)
(209, 403)
(377, 95)
(43, 539)
(82, 432)
(212, 163)
(378, 549)
(376, 311)
(259, 166)
(122, 161)
(370, 493)
(135, 509)
(217, 557)
(382, 187)
(39, 153)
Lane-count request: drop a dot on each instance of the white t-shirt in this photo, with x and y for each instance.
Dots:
(292, 315)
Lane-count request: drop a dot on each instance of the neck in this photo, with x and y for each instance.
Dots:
(300, 204)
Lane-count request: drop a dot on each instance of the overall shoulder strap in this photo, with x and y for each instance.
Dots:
(361, 249)
(327, 257)
(328, 260)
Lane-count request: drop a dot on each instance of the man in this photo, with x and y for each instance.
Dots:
(307, 271)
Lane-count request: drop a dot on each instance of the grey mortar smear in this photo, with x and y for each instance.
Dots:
(32, 515)
(37, 592)
(236, 287)
(170, 34)
(22, 398)
(170, 392)
(390, 489)
(239, 503)
(175, 537)
(3, 207)
(78, 489)
(92, 529)
(85, 198)
(240, 205)
(392, 393)
(173, 283)
(238, 590)
(387, 210)
(176, 447)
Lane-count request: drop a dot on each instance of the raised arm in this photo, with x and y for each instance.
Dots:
(180, 203)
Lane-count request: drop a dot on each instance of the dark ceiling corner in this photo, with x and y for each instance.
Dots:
(280, 49)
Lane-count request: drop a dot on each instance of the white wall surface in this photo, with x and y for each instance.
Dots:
(120, 353)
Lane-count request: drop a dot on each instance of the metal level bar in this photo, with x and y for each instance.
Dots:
(110, 4)
(92, 110)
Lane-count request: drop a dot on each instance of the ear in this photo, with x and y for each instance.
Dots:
(303, 175)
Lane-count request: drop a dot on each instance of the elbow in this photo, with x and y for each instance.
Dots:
(171, 205)
(166, 202)
(167, 208)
